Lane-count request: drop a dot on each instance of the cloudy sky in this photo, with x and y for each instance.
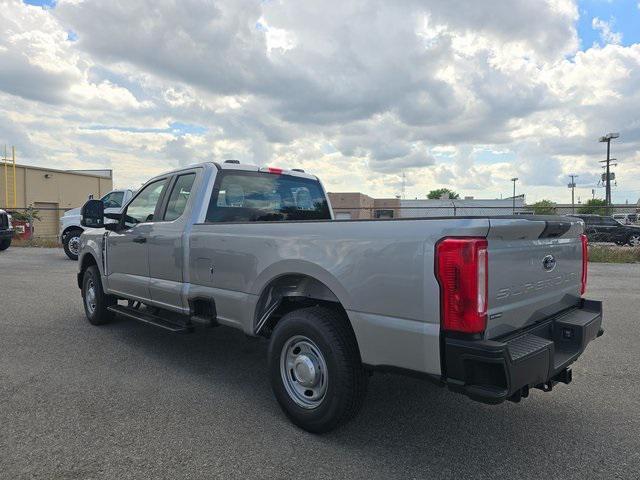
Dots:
(453, 93)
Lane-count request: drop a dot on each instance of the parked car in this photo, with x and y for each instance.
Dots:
(489, 307)
(626, 218)
(70, 228)
(605, 229)
(6, 230)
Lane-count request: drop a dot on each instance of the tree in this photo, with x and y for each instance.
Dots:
(440, 192)
(595, 205)
(544, 207)
(28, 214)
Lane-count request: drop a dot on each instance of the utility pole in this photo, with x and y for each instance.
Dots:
(572, 186)
(514, 180)
(607, 139)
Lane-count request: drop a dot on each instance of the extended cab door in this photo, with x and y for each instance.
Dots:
(166, 241)
(127, 250)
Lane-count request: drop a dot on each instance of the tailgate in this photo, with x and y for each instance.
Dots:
(535, 270)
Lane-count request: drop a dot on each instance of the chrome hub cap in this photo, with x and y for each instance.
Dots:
(90, 297)
(74, 245)
(304, 372)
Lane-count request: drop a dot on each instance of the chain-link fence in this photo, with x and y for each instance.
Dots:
(623, 213)
(44, 222)
(37, 222)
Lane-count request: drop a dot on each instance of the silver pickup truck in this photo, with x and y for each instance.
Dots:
(489, 307)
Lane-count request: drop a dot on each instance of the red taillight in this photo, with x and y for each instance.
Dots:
(461, 268)
(277, 171)
(585, 262)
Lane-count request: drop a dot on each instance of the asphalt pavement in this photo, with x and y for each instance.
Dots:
(129, 401)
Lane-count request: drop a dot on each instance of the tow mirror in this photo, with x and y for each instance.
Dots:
(92, 214)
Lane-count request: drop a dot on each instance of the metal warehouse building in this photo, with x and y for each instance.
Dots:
(50, 191)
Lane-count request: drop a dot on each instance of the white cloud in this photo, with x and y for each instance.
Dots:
(607, 35)
(419, 86)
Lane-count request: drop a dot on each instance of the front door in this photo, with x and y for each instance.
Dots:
(127, 249)
(165, 244)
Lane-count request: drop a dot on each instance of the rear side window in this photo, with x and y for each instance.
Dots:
(179, 196)
(266, 197)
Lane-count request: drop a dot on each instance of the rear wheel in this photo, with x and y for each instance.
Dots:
(634, 240)
(315, 369)
(71, 244)
(4, 244)
(94, 299)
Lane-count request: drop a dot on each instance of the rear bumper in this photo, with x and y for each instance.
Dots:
(492, 371)
(4, 234)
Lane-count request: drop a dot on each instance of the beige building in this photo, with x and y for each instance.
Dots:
(50, 191)
(358, 206)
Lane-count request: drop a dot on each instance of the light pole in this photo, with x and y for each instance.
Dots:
(572, 186)
(607, 139)
(514, 180)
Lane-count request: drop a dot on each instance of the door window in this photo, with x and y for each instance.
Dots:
(113, 200)
(143, 207)
(179, 196)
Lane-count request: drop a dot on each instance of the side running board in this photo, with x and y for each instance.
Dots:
(150, 319)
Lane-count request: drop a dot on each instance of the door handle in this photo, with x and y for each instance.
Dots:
(140, 239)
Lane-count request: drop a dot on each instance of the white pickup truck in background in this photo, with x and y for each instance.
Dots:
(70, 228)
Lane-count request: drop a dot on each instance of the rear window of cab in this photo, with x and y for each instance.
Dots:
(240, 196)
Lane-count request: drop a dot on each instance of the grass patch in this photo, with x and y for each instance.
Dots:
(613, 254)
(37, 243)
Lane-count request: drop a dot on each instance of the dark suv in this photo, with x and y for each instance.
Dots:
(6, 231)
(607, 229)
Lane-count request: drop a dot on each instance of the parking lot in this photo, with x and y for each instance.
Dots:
(129, 401)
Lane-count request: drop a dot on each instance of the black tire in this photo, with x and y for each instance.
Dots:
(70, 247)
(634, 240)
(4, 244)
(98, 315)
(347, 380)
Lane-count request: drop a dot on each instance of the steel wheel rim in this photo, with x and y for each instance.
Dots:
(74, 245)
(90, 297)
(634, 240)
(304, 372)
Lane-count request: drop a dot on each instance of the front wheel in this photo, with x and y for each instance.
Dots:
(4, 244)
(315, 369)
(94, 299)
(71, 244)
(634, 240)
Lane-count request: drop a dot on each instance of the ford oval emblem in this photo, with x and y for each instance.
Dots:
(549, 263)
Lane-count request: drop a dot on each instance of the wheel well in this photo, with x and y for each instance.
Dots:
(71, 228)
(87, 261)
(291, 292)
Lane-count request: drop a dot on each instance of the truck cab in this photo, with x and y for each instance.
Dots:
(71, 229)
